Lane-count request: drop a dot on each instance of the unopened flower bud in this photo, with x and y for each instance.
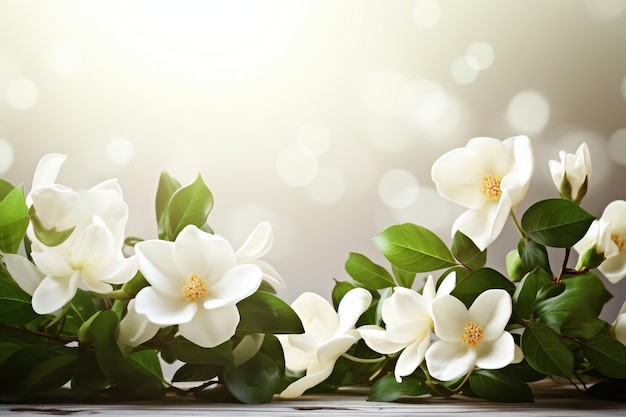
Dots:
(514, 266)
(571, 175)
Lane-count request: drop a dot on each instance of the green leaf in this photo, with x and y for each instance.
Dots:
(556, 222)
(582, 322)
(13, 220)
(546, 352)
(370, 275)
(88, 376)
(607, 355)
(6, 350)
(49, 237)
(340, 289)
(533, 255)
(15, 304)
(388, 389)
(466, 252)
(190, 353)
(525, 295)
(610, 389)
(196, 373)
(478, 282)
(148, 361)
(189, 205)
(403, 278)
(263, 312)
(414, 248)
(498, 387)
(167, 186)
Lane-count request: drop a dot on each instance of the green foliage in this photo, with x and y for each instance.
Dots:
(498, 387)
(190, 353)
(15, 307)
(263, 312)
(607, 355)
(533, 255)
(546, 352)
(13, 217)
(470, 287)
(467, 253)
(49, 236)
(526, 293)
(388, 389)
(370, 275)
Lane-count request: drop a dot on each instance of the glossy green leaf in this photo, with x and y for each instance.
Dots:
(15, 304)
(387, 389)
(340, 289)
(49, 237)
(556, 222)
(533, 255)
(190, 353)
(167, 186)
(525, 295)
(403, 278)
(607, 355)
(466, 252)
(498, 387)
(189, 205)
(414, 248)
(546, 352)
(369, 274)
(263, 312)
(196, 373)
(582, 322)
(148, 361)
(610, 389)
(88, 376)
(13, 220)
(478, 282)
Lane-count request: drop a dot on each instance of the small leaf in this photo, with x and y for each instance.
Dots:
(496, 386)
(372, 276)
(533, 255)
(49, 237)
(607, 355)
(546, 352)
(478, 282)
(387, 389)
(466, 252)
(194, 373)
(525, 295)
(340, 289)
(167, 186)
(189, 205)
(414, 248)
(13, 220)
(263, 312)
(556, 222)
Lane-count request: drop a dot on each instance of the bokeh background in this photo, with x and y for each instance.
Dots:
(323, 117)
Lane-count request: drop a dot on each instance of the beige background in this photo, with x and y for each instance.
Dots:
(323, 117)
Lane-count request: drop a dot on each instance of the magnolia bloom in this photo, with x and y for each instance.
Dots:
(257, 245)
(490, 178)
(91, 257)
(327, 335)
(196, 283)
(471, 337)
(135, 329)
(607, 236)
(572, 172)
(619, 326)
(407, 317)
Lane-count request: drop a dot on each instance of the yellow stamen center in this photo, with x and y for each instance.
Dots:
(491, 187)
(194, 288)
(619, 241)
(472, 334)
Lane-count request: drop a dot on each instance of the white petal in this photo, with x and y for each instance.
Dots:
(335, 347)
(163, 309)
(376, 338)
(405, 305)
(258, 243)
(429, 291)
(238, 283)
(56, 206)
(524, 159)
(557, 172)
(614, 268)
(491, 311)
(269, 274)
(46, 172)
(450, 317)
(135, 329)
(25, 274)
(411, 358)
(210, 328)
(519, 355)
(54, 293)
(305, 342)
(495, 354)
(483, 225)
(109, 206)
(158, 265)
(317, 315)
(448, 284)
(448, 361)
(117, 272)
(52, 262)
(310, 380)
(296, 359)
(204, 254)
(350, 308)
(93, 284)
(94, 245)
(620, 328)
(615, 213)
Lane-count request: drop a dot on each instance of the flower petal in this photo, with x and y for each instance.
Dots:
(210, 328)
(117, 272)
(614, 268)
(491, 311)
(411, 358)
(448, 361)
(164, 309)
(135, 329)
(405, 305)
(376, 338)
(94, 245)
(52, 262)
(238, 282)
(158, 265)
(55, 206)
(615, 213)
(25, 274)
(296, 359)
(53, 293)
(317, 315)
(258, 243)
(269, 274)
(483, 225)
(93, 284)
(350, 308)
(448, 284)
(310, 380)
(46, 172)
(450, 317)
(335, 347)
(495, 354)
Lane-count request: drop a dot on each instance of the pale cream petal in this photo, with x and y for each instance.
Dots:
(258, 243)
(491, 311)
(238, 282)
(448, 361)
(495, 354)
(350, 308)
(376, 338)
(310, 380)
(404, 305)
(450, 317)
(94, 246)
(210, 328)
(620, 327)
(47, 170)
(317, 315)
(429, 291)
(54, 293)
(52, 262)
(614, 268)
(448, 284)
(615, 213)
(117, 272)
(165, 309)
(135, 329)
(269, 274)
(305, 342)
(410, 331)
(519, 355)
(56, 206)
(296, 359)
(93, 284)
(157, 263)
(483, 225)
(25, 274)
(557, 171)
(335, 347)
(411, 358)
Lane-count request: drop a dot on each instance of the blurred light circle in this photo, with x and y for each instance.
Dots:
(480, 55)
(605, 10)
(616, 147)
(6, 155)
(383, 92)
(314, 136)
(328, 186)
(297, 165)
(9, 68)
(426, 13)
(528, 112)
(398, 188)
(65, 59)
(22, 93)
(464, 70)
(120, 151)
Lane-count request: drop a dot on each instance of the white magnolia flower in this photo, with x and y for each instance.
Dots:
(327, 335)
(407, 317)
(608, 235)
(490, 178)
(135, 329)
(469, 338)
(574, 168)
(91, 257)
(257, 245)
(619, 326)
(195, 284)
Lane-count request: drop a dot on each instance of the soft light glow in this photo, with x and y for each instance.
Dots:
(605, 10)
(480, 55)
(624, 87)
(296, 165)
(398, 188)
(384, 92)
(528, 112)
(464, 70)
(426, 13)
(9, 69)
(6, 155)
(64, 59)
(616, 147)
(428, 101)
(22, 93)
(315, 136)
(120, 151)
(389, 135)
(328, 186)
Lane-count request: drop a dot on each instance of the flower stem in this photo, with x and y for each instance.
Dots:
(363, 360)
(517, 225)
(117, 295)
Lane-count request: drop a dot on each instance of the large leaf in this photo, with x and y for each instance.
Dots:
(370, 275)
(188, 352)
(388, 389)
(525, 295)
(189, 205)
(558, 223)
(607, 355)
(189, 372)
(414, 248)
(478, 282)
(546, 352)
(466, 251)
(13, 220)
(263, 312)
(497, 386)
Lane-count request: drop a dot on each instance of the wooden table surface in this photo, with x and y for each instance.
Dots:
(550, 401)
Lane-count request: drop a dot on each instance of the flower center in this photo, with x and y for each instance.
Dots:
(472, 334)
(491, 187)
(194, 288)
(619, 241)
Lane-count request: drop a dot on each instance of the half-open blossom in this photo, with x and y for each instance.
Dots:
(135, 329)
(607, 236)
(490, 178)
(408, 325)
(572, 173)
(619, 326)
(470, 337)
(327, 335)
(257, 245)
(195, 284)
